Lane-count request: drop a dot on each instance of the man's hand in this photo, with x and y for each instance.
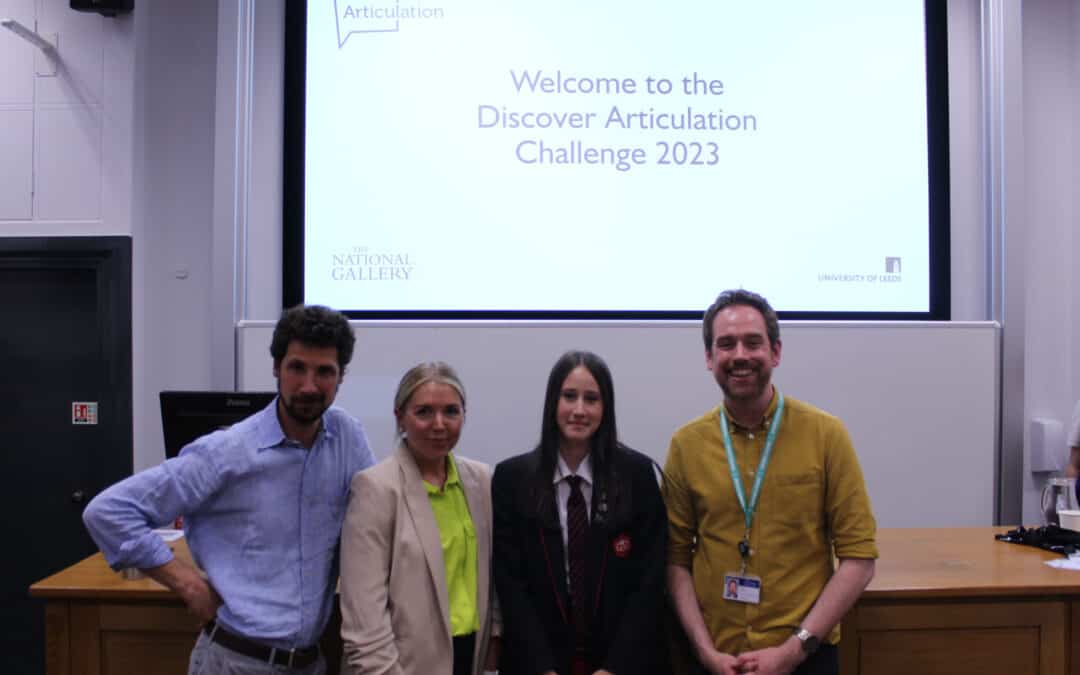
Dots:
(200, 597)
(681, 588)
(719, 663)
(779, 660)
(202, 601)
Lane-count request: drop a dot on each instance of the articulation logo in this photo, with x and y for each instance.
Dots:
(379, 17)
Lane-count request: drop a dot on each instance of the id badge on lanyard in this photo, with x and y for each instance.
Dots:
(741, 586)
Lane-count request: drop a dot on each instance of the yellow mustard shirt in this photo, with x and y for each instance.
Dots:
(813, 504)
(458, 538)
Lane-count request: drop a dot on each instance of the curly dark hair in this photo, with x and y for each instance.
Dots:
(316, 326)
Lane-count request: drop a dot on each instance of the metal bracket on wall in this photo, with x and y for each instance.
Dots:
(45, 64)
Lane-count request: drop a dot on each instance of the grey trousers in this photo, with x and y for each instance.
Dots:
(210, 658)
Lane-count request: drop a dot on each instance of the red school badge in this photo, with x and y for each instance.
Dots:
(622, 545)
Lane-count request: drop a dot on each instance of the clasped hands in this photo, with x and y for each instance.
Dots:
(779, 660)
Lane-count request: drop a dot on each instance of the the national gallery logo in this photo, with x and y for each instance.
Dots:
(361, 264)
(376, 17)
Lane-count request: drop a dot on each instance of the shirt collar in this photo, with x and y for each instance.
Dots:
(269, 434)
(584, 470)
(766, 419)
(452, 477)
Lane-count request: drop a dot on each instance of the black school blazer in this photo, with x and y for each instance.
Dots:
(625, 567)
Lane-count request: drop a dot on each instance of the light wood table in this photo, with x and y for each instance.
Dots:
(943, 601)
(98, 623)
(958, 601)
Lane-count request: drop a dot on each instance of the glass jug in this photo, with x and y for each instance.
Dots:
(1059, 494)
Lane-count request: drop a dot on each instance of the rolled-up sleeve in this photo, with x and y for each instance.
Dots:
(681, 516)
(121, 518)
(847, 503)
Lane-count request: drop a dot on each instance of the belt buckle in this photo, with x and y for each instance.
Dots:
(273, 656)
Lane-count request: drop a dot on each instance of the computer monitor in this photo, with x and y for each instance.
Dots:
(187, 415)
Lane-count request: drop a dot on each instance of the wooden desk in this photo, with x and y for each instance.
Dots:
(98, 623)
(943, 601)
(957, 601)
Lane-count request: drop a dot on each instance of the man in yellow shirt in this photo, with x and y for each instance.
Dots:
(761, 492)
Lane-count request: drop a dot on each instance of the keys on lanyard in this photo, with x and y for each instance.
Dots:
(741, 586)
(744, 551)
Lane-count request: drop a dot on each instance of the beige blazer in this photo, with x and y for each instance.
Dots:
(394, 601)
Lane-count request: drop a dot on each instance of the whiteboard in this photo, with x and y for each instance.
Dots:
(920, 399)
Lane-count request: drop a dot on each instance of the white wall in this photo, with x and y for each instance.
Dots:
(172, 234)
(143, 110)
(968, 239)
(1051, 245)
(66, 125)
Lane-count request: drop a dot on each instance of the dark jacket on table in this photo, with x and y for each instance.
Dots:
(625, 567)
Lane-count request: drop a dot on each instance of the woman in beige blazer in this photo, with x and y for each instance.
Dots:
(416, 589)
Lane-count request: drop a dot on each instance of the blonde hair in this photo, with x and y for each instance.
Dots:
(422, 373)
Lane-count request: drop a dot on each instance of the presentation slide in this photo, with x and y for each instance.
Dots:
(610, 156)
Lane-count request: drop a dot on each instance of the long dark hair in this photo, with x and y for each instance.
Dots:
(603, 444)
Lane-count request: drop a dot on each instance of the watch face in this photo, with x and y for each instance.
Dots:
(810, 642)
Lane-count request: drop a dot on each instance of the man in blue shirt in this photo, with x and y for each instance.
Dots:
(263, 503)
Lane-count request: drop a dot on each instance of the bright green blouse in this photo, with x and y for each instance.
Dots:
(458, 538)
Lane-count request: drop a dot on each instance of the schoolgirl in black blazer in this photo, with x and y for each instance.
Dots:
(616, 625)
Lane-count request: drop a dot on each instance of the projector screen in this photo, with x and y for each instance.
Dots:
(606, 159)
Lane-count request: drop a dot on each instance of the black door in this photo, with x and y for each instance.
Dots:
(65, 354)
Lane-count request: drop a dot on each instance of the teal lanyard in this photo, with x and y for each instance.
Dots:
(770, 441)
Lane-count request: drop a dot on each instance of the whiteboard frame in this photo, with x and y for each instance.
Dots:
(920, 399)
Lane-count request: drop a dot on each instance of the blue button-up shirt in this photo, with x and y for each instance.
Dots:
(262, 516)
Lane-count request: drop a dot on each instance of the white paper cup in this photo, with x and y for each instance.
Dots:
(1070, 520)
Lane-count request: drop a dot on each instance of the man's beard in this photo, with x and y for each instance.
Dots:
(304, 409)
(759, 384)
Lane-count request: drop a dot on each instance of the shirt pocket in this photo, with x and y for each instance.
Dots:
(797, 499)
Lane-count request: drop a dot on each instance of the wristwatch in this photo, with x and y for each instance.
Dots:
(808, 640)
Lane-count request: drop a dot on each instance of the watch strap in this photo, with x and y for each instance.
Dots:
(808, 640)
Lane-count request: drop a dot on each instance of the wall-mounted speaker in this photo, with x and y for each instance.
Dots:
(104, 7)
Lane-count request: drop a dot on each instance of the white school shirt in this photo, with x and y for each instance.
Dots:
(562, 498)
